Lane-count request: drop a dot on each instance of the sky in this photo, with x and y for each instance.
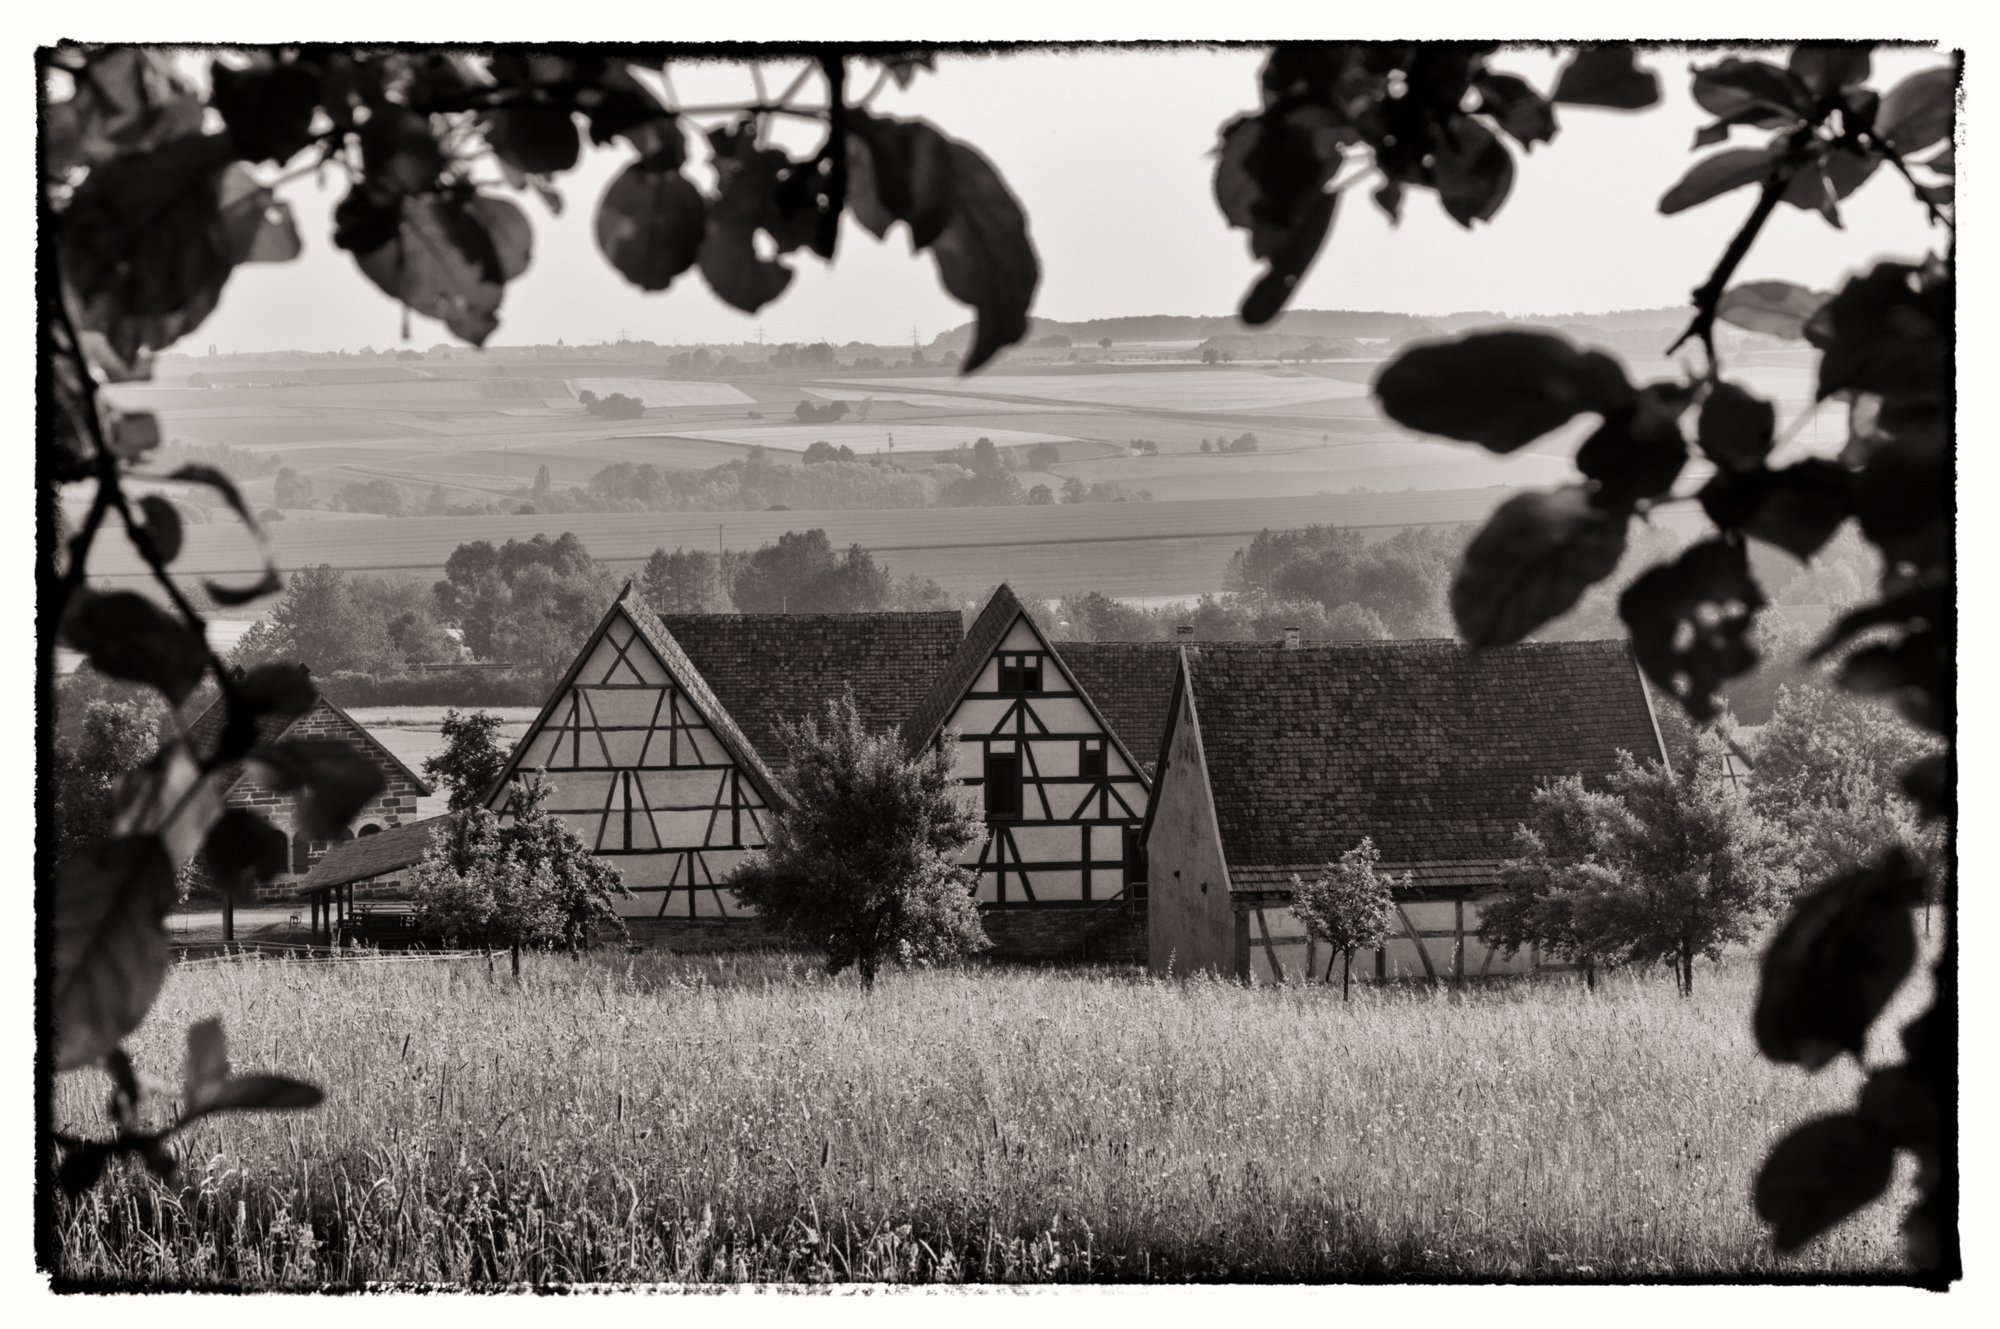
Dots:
(1109, 151)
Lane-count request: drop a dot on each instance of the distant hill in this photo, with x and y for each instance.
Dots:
(1322, 324)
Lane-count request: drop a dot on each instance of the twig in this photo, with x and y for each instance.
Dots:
(1895, 159)
(1708, 295)
(881, 81)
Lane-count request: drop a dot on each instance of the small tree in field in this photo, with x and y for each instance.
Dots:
(472, 758)
(1657, 868)
(1347, 906)
(527, 882)
(862, 860)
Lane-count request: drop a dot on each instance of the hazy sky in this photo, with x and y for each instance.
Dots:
(1109, 152)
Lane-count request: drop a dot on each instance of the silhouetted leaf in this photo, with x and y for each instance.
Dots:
(1919, 606)
(170, 797)
(260, 1093)
(1718, 174)
(1638, 451)
(747, 203)
(623, 107)
(1809, 189)
(161, 527)
(333, 780)
(269, 584)
(127, 636)
(1754, 92)
(267, 107)
(451, 258)
(1820, 1175)
(133, 434)
(1270, 180)
(1289, 261)
(1531, 562)
(1502, 390)
(1776, 308)
(1887, 331)
(1903, 497)
(1606, 76)
(274, 689)
(83, 1162)
(223, 485)
(1918, 111)
(1524, 113)
(1898, 1104)
(984, 256)
(127, 100)
(111, 903)
(1472, 170)
(650, 225)
(1847, 170)
(902, 171)
(1830, 66)
(1690, 622)
(1916, 672)
(1929, 784)
(534, 139)
(206, 1063)
(243, 851)
(400, 155)
(1797, 508)
(142, 245)
(1736, 426)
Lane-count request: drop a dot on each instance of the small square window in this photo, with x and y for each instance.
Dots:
(1020, 674)
(1091, 763)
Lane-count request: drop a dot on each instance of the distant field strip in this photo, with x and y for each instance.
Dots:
(665, 392)
(366, 544)
(1179, 389)
(868, 438)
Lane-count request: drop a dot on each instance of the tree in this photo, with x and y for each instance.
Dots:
(109, 740)
(291, 490)
(472, 759)
(517, 879)
(1042, 456)
(1104, 343)
(1041, 494)
(319, 623)
(1347, 905)
(862, 855)
(686, 581)
(802, 574)
(1657, 867)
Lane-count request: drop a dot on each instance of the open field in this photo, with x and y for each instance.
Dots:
(732, 1119)
(868, 438)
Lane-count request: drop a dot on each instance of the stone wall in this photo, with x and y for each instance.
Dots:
(1112, 932)
(747, 933)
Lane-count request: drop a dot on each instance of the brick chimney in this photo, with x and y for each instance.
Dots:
(1291, 639)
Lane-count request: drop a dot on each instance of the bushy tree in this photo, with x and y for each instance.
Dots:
(1347, 905)
(320, 622)
(106, 741)
(518, 879)
(802, 574)
(528, 602)
(1656, 867)
(472, 758)
(862, 858)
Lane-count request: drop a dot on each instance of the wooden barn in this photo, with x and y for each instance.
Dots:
(1064, 798)
(647, 766)
(1275, 761)
(395, 805)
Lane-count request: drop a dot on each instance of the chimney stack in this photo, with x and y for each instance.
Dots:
(1291, 639)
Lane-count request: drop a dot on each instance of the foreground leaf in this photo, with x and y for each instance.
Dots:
(1606, 76)
(1776, 308)
(111, 904)
(333, 780)
(1837, 961)
(1820, 1175)
(451, 259)
(1531, 562)
(650, 225)
(1690, 622)
(1737, 428)
(127, 636)
(1918, 111)
(984, 256)
(1718, 174)
(242, 851)
(1502, 390)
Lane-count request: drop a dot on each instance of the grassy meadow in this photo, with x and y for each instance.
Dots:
(726, 1119)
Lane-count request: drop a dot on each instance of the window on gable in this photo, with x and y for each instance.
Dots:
(1020, 674)
(1003, 784)
(1091, 763)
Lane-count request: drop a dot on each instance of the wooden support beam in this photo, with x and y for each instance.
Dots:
(1417, 940)
(228, 919)
(1270, 951)
(1458, 944)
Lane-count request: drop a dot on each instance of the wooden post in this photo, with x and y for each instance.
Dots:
(228, 919)
(1458, 944)
(1381, 964)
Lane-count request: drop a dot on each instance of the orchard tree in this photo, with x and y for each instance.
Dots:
(1554, 870)
(472, 760)
(686, 581)
(107, 741)
(1348, 905)
(862, 859)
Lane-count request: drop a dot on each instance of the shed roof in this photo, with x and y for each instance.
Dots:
(770, 667)
(1428, 747)
(377, 855)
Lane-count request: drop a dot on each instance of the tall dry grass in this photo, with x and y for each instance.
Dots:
(747, 1118)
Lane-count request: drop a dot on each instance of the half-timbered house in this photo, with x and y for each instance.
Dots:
(1275, 761)
(648, 767)
(1063, 795)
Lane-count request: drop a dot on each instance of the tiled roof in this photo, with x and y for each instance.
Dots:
(206, 732)
(1449, 875)
(770, 667)
(950, 683)
(365, 856)
(1432, 749)
(1131, 683)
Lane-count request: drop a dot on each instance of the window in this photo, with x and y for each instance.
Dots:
(1091, 763)
(301, 854)
(1020, 674)
(1135, 864)
(1003, 784)
(371, 829)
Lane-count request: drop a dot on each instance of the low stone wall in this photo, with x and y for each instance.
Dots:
(702, 934)
(1113, 933)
